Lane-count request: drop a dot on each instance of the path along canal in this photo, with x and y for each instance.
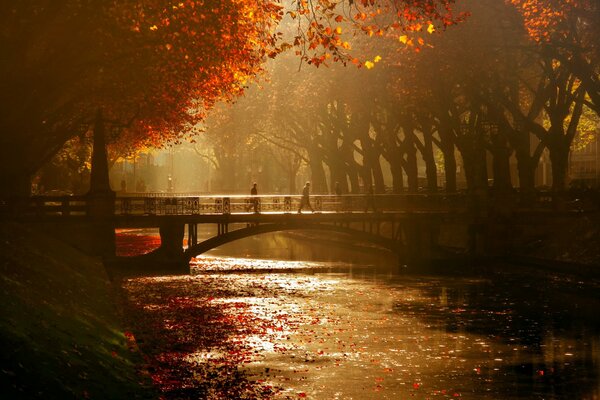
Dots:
(339, 324)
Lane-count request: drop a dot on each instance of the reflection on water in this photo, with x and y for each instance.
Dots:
(333, 330)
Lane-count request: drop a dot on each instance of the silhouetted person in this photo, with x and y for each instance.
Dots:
(123, 186)
(305, 200)
(254, 193)
(370, 200)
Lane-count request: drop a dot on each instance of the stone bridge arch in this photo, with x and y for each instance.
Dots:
(253, 230)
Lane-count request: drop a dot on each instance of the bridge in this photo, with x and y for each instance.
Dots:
(404, 224)
(408, 225)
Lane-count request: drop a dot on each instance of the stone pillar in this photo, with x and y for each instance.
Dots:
(171, 241)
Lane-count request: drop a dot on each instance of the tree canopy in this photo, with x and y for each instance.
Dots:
(482, 91)
(155, 68)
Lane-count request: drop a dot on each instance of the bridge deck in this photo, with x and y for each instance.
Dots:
(403, 223)
(142, 210)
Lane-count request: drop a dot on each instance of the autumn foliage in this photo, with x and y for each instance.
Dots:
(157, 67)
(546, 18)
(321, 26)
(153, 67)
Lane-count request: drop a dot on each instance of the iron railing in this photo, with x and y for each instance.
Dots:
(235, 204)
(138, 204)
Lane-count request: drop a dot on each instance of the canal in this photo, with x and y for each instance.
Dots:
(282, 318)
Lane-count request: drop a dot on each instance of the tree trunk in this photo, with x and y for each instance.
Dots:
(337, 174)
(378, 176)
(292, 180)
(475, 163)
(372, 174)
(501, 171)
(99, 178)
(319, 182)
(412, 171)
(430, 167)
(526, 169)
(343, 185)
(559, 157)
(353, 178)
(350, 168)
(367, 181)
(469, 166)
(447, 147)
(450, 169)
(397, 176)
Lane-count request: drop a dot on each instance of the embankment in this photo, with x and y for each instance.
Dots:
(60, 332)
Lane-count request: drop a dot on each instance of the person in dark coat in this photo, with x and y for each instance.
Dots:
(254, 193)
(305, 200)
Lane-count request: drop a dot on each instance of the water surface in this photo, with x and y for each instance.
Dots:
(270, 319)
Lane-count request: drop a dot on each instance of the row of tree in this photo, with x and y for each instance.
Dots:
(508, 81)
(152, 69)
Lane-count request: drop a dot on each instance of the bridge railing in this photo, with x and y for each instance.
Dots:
(41, 206)
(236, 204)
(185, 204)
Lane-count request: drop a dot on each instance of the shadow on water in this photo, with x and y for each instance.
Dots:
(552, 317)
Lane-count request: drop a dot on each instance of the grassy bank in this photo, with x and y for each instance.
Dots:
(60, 332)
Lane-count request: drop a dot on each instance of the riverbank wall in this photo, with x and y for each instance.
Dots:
(561, 239)
(61, 334)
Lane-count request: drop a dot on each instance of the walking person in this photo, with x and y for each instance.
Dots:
(305, 200)
(254, 200)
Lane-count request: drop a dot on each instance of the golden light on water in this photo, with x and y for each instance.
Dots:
(336, 335)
